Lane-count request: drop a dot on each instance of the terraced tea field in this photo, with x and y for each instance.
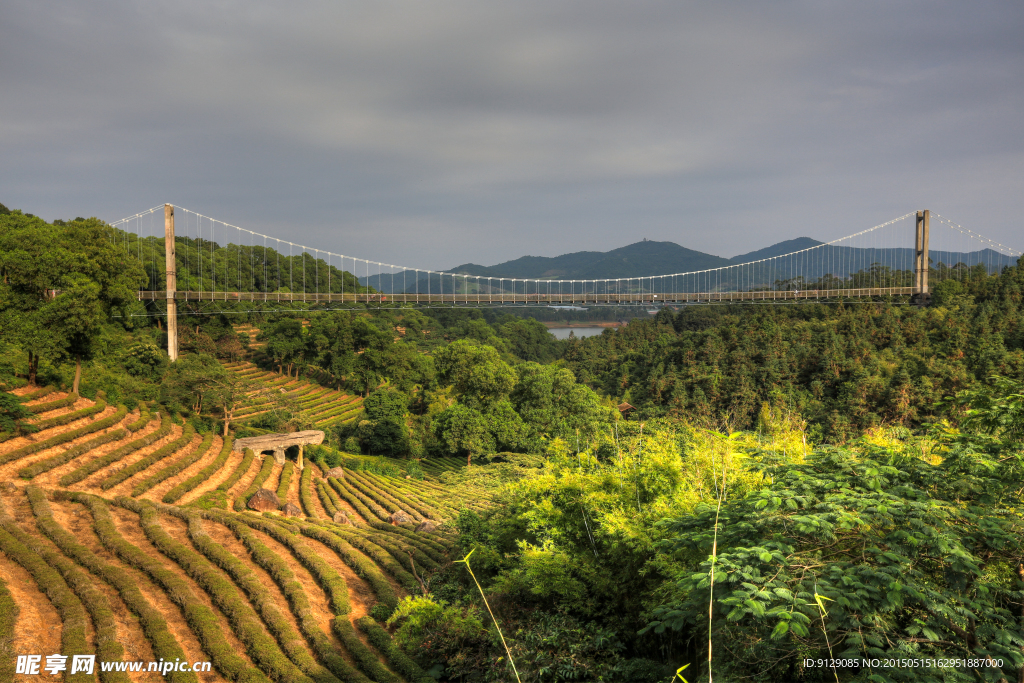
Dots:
(319, 405)
(126, 536)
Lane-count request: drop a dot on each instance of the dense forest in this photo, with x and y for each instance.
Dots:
(794, 492)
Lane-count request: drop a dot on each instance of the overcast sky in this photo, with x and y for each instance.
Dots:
(435, 133)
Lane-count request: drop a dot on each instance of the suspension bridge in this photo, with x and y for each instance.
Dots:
(199, 260)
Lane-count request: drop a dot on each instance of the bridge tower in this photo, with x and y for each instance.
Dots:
(921, 296)
(172, 283)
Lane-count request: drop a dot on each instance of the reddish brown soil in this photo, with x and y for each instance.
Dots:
(50, 479)
(157, 492)
(125, 487)
(318, 507)
(19, 441)
(224, 537)
(91, 484)
(242, 484)
(77, 520)
(293, 487)
(38, 628)
(215, 480)
(127, 524)
(314, 593)
(275, 476)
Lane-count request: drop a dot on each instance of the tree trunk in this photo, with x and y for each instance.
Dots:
(78, 374)
(227, 421)
(469, 458)
(33, 364)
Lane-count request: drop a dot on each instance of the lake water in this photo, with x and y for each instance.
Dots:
(563, 332)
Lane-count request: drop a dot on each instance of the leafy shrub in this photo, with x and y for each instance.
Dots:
(8, 618)
(245, 623)
(38, 408)
(58, 439)
(436, 633)
(247, 457)
(68, 418)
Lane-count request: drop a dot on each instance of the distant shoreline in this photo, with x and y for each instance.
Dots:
(553, 325)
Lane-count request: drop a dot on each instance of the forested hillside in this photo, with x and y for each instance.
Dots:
(820, 492)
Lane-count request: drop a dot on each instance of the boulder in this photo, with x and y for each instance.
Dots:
(9, 486)
(341, 518)
(336, 472)
(291, 510)
(427, 526)
(400, 517)
(263, 500)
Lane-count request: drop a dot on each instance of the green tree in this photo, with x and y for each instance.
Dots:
(199, 383)
(390, 437)
(13, 415)
(331, 344)
(60, 284)
(464, 430)
(285, 344)
(478, 375)
(386, 404)
(551, 402)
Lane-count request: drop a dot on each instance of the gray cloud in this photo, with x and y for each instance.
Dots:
(431, 134)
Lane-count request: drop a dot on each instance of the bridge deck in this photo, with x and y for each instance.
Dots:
(546, 299)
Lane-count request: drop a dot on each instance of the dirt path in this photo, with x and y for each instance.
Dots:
(360, 596)
(215, 480)
(45, 479)
(127, 523)
(275, 476)
(157, 492)
(318, 507)
(293, 487)
(352, 514)
(38, 628)
(77, 520)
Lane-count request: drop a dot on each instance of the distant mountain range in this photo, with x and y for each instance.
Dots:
(646, 258)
